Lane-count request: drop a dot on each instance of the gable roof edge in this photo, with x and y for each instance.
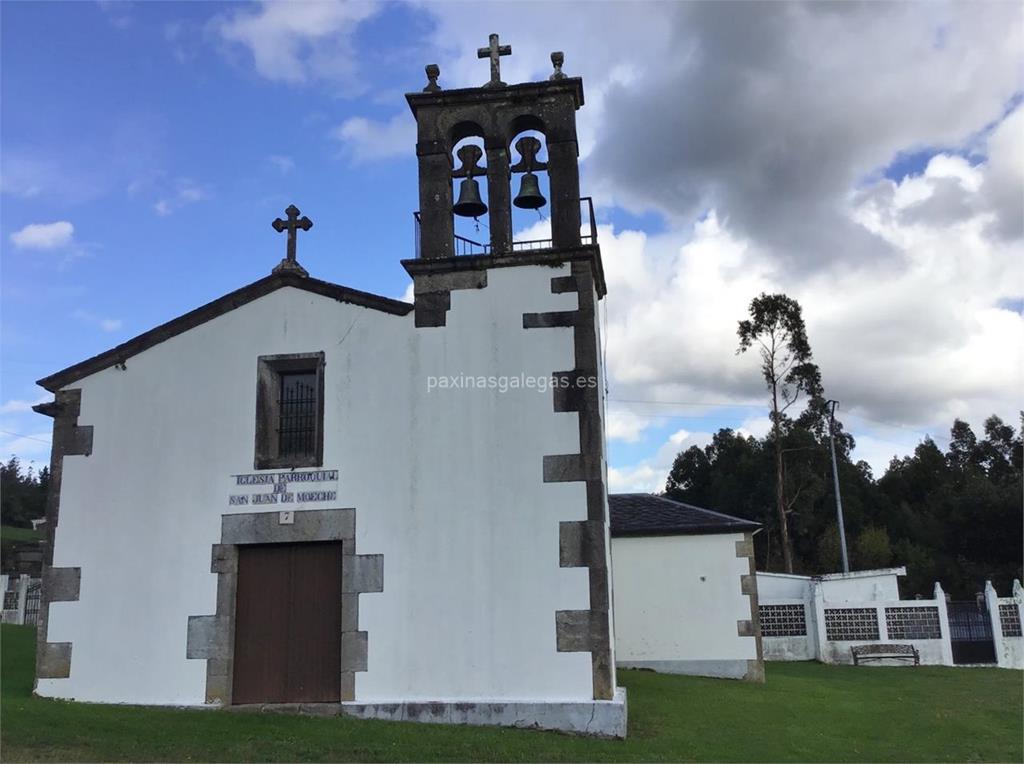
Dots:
(214, 309)
(643, 514)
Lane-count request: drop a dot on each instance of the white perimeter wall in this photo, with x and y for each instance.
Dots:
(836, 587)
(882, 586)
(678, 598)
(447, 486)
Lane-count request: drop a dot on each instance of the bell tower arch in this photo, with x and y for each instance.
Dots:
(498, 113)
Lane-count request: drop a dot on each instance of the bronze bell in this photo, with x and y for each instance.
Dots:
(529, 196)
(470, 205)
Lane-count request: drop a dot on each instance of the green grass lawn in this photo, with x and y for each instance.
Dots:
(805, 712)
(10, 534)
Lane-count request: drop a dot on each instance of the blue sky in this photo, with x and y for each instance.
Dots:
(165, 137)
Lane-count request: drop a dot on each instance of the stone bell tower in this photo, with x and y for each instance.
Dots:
(498, 113)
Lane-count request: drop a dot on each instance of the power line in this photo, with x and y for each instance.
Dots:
(27, 437)
(899, 427)
(690, 403)
(719, 404)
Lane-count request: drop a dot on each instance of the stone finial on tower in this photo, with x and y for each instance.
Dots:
(433, 72)
(557, 59)
(293, 224)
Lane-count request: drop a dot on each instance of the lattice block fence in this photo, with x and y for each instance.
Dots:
(851, 624)
(1009, 619)
(783, 620)
(913, 623)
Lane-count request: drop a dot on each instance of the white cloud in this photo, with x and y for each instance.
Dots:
(33, 449)
(756, 427)
(296, 42)
(770, 113)
(44, 236)
(625, 425)
(106, 324)
(914, 339)
(638, 478)
(365, 140)
(25, 176)
(118, 12)
(15, 406)
(183, 191)
(284, 164)
(648, 475)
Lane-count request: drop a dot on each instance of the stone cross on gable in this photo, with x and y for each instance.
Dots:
(494, 51)
(292, 225)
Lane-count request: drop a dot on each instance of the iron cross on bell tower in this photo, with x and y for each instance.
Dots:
(293, 224)
(494, 51)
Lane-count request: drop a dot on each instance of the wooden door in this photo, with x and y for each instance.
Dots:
(288, 624)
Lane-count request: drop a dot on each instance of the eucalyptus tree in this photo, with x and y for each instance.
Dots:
(776, 328)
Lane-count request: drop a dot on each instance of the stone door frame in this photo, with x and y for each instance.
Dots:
(212, 637)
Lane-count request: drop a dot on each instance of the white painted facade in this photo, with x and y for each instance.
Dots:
(447, 486)
(677, 602)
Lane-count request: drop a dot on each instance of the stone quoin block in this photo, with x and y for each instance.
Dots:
(432, 309)
(580, 544)
(224, 558)
(745, 548)
(563, 468)
(353, 651)
(54, 660)
(62, 584)
(362, 573)
(578, 631)
(206, 637)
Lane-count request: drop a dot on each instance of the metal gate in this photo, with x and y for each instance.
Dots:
(970, 631)
(32, 596)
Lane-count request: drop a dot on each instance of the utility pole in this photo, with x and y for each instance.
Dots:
(835, 480)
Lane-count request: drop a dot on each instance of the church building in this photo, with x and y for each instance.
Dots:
(366, 507)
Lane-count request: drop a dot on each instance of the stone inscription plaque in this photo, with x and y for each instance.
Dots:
(290, 489)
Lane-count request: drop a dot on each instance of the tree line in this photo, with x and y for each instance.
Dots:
(952, 516)
(22, 493)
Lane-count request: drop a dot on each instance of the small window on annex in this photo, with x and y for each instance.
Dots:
(290, 411)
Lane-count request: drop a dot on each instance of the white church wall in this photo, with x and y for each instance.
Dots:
(677, 603)
(447, 486)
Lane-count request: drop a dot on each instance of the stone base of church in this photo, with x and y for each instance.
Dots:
(749, 670)
(601, 718)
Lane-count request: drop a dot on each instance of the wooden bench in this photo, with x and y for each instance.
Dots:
(879, 652)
